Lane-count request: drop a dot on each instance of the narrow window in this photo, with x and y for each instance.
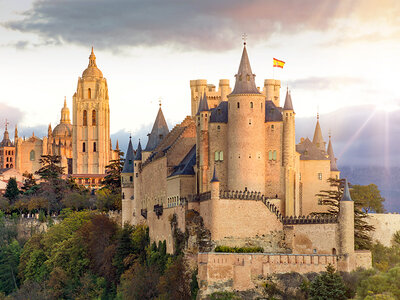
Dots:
(89, 92)
(270, 155)
(84, 118)
(32, 155)
(137, 174)
(251, 104)
(238, 105)
(221, 155)
(130, 162)
(94, 147)
(216, 158)
(93, 117)
(272, 127)
(130, 178)
(218, 127)
(274, 155)
(261, 105)
(320, 176)
(249, 121)
(83, 147)
(123, 195)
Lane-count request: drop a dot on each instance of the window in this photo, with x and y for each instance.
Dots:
(320, 176)
(249, 121)
(130, 162)
(272, 126)
(314, 251)
(123, 195)
(219, 156)
(251, 104)
(238, 105)
(216, 154)
(89, 93)
(32, 155)
(300, 176)
(130, 178)
(94, 147)
(218, 127)
(274, 155)
(270, 155)
(93, 117)
(83, 147)
(137, 174)
(84, 118)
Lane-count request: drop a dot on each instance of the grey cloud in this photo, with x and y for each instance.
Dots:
(316, 83)
(12, 114)
(184, 24)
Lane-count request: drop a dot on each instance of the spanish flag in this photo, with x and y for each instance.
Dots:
(278, 63)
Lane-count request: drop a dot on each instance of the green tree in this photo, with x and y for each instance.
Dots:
(107, 200)
(9, 259)
(112, 180)
(368, 197)
(50, 169)
(332, 197)
(30, 186)
(123, 250)
(328, 285)
(12, 192)
(380, 285)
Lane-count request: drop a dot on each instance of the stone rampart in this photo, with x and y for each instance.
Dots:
(385, 226)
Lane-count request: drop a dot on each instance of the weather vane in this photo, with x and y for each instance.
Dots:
(159, 101)
(244, 38)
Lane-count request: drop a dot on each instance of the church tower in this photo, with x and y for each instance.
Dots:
(91, 122)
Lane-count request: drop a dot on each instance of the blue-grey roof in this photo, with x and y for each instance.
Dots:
(288, 102)
(185, 167)
(272, 113)
(138, 155)
(203, 105)
(130, 156)
(220, 113)
(308, 151)
(158, 133)
(346, 192)
(215, 178)
(245, 79)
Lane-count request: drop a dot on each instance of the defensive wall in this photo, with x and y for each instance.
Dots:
(385, 226)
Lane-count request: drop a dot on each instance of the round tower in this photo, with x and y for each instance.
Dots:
(197, 88)
(246, 132)
(127, 184)
(224, 89)
(272, 90)
(346, 222)
(202, 116)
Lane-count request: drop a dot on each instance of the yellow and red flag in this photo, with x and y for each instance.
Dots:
(278, 63)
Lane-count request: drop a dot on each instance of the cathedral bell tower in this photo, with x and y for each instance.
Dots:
(91, 122)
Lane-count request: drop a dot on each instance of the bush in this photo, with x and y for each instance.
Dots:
(228, 249)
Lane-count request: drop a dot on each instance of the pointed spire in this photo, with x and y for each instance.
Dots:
(15, 133)
(92, 59)
(215, 178)
(332, 156)
(129, 158)
(318, 139)
(139, 152)
(346, 192)
(245, 79)
(117, 146)
(288, 101)
(158, 132)
(65, 113)
(203, 104)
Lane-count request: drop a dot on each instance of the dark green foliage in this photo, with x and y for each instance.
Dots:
(328, 285)
(30, 186)
(194, 284)
(239, 249)
(384, 258)
(9, 259)
(50, 169)
(369, 198)
(223, 296)
(12, 192)
(112, 180)
(123, 250)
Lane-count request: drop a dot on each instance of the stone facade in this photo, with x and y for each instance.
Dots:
(386, 225)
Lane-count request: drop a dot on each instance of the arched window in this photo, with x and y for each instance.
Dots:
(84, 118)
(251, 104)
(11, 165)
(32, 155)
(123, 195)
(7, 166)
(94, 147)
(89, 93)
(238, 105)
(83, 147)
(93, 117)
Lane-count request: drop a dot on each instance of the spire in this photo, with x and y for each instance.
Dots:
(346, 192)
(92, 70)
(139, 152)
(318, 139)
(245, 79)
(65, 113)
(49, 131)
(92, 59)
(215, 178)
(15, 133)
(117, 146)
(158, 133)
(332, 156)
(288, 101)
(203, 105)
(129, 158)
(6, 142)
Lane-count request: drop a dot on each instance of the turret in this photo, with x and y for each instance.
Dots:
(214, 186)
(272, 91)
(318, 139)
(346, 226)
(136, 194)
(127, 176)
(246, 131)
(334, 169)
(224, 89)
(65, 113)
(15, 135)
(289, 148)
(202, 136)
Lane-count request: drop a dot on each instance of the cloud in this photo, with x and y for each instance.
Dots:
(315, 83)
(12, 114)
(188, 24)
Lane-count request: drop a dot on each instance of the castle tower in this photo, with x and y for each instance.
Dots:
(7, 151)
(335, 173)
(246, 131)
(318, 139)
(157, 134)
(202, 136)
(271, 91)
(127, 183)
(289, 148)
(346, 226)
(136, 193)
(91, 122)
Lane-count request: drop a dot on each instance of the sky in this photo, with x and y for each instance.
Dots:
(341, 61)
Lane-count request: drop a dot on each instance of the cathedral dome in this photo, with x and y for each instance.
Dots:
(62, 130)
(92, 70)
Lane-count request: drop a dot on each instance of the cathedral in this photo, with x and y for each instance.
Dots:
(84, 144)
(235, 163)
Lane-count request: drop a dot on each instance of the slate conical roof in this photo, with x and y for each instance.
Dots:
(245, 79)
(129, 158)
(138, 155)
(159, 132)
(288, 101)
(346, 192)
(318, 139)
(332, 156)
(203, 105)
(215, 178)
(6, 142)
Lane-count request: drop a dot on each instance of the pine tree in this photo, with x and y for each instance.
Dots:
(328, 285)
(12, 190)
(50, 169)
(112, 180)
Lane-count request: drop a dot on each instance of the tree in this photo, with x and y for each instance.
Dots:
(369, 198)
(9, 259)
(332, 197)
(12, 191)
(123, 250)
(112, 180)
(107, 200)
(384, 285)
(328, 285)
(50, 169)
(30, 186)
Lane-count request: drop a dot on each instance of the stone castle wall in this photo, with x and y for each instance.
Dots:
(385, 226)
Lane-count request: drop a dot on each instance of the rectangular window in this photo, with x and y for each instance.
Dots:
(274, 155)
(83, 147)
(221, 155)
(216, 158)
(270, 155)
(320, 176)
(130, 178)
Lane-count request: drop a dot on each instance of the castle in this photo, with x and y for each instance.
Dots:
(234, 163)
(83, 145)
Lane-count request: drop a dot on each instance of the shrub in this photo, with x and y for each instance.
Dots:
(228, 249)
